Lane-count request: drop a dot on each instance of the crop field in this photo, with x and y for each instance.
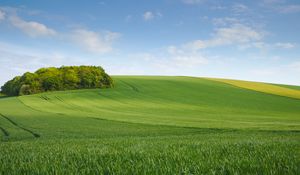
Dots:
(287, 91)
(154, 125)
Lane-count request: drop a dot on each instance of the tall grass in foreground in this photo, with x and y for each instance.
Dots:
(203, 153)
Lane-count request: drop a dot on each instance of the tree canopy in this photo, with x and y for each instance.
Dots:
(53, 79)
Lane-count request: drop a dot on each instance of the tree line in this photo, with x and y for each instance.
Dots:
(54, 79)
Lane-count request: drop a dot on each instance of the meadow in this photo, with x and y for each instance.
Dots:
(153, 125)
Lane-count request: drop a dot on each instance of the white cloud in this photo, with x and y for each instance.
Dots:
(93, 41)
(31, 28)
(189, 60)
(89, 40)
(235, 34)
(185, 58)
(218, 7)
(281, 6)
(2, 15)
(263, 46)
(148, 16)
(174, 50)
(193, 1)
(285, 45)
(167, 61)
(111, 36)
(289, 9)
(239, 8)
(225, 21)
(273, 1)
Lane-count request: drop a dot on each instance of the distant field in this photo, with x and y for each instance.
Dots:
(154, 125)
(289, 86)
(282, 90)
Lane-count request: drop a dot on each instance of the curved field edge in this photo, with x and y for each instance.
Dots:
(281, 90)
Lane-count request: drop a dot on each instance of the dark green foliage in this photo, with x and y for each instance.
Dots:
(12, 87)
(52, 79)
(25, 90)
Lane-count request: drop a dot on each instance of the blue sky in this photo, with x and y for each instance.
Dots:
(249, 40)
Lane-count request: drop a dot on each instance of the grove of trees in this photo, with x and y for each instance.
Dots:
(53, 79)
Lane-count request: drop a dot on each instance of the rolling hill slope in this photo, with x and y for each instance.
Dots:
(152, 125)
(173, 101)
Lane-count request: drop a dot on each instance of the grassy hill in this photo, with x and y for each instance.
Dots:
(156, 125)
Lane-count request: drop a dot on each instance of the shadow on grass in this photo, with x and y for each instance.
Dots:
(3, 96)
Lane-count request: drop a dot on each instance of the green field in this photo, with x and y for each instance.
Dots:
(152, 125)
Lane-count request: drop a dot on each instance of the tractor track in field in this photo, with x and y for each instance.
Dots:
(131, 86)
(58, 98)
(37, 109)
(66, 104)
(30, 106)
(5, 133)
(44, 97)
(36, 135)
(71, 106)
(110, 98)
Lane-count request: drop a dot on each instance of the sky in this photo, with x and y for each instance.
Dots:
(247, 40)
